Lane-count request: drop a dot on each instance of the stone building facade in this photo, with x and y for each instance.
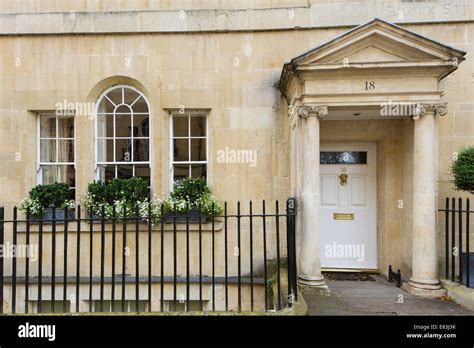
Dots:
(354, 107)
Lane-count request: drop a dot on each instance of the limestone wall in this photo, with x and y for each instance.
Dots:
(233, 74)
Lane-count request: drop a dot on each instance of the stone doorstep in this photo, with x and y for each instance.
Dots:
(459, 293)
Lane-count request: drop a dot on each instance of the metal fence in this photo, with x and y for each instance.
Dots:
(84, 258)
(458, 257)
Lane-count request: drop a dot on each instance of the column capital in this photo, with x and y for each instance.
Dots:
(438, 109)
(304, 111)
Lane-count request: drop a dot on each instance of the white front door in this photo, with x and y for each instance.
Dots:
(348, 206)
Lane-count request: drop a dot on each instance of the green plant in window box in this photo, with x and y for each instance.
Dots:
(44, 198)
(95, 199)
(209, 205)
(125, 194)
(463, 170)
(128, 194)
(190, 189)
(194, 195)
(129, 190)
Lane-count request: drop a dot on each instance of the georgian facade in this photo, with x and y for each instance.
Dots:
(355, 116)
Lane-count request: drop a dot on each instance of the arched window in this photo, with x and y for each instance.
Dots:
(122, 134)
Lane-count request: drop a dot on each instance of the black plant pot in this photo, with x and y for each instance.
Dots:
(94, 216)
(464, 257)
(47, 216)
(194, 215)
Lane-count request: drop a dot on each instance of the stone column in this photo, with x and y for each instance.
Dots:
(310, 260)
(424, 280)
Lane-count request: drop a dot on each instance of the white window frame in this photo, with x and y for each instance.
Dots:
(39, 169)
(189, 114)
(114, 137)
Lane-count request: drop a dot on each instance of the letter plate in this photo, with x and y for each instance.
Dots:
(343, 216)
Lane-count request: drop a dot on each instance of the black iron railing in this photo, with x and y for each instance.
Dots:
(115, 264)
(458, 257)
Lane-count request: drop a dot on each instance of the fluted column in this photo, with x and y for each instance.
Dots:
(424, 280)
(310, 261)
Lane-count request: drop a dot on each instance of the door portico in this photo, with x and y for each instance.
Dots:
(376, 66)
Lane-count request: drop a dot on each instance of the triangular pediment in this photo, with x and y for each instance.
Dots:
(378, 41)
(375, 48)
(372, 47)
(370, 53)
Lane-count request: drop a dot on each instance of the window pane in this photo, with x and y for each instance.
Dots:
(130, 95)
(180, 126)
(66, 151)
(181, 150)
(198, 149)
(141, 122)
(143, 171)
(198, 171)
(198, 126)
(66, 127)
(67, 175)
(180, 172)
(105, 150)
(106, 106)
(123, 109)
(124, 171)
(105, 126)
(48, 150)
(108, 173)
(101, 125)
(63, 173)
(123, 150)
(140, 150)
(115, 96)
(47, 126)
(343, 157)
(49, 174)
(123, 124)
(140, 106)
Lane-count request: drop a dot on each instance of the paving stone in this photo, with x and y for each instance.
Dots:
(376, 298)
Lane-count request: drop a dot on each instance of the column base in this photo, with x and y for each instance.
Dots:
(313, 283)
(424, 288)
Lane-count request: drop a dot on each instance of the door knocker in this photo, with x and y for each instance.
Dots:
(343, 179)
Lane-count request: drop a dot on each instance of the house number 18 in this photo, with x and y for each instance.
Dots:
(369, 85)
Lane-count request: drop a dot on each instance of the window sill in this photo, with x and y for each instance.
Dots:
(130, 227)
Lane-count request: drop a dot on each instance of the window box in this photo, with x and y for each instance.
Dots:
(48, 215)
(193, 216)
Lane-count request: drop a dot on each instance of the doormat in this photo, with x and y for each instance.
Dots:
(354, 276)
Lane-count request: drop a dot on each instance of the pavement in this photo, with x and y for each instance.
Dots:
(378, 297)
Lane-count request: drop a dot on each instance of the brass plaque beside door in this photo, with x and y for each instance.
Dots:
(343, 216)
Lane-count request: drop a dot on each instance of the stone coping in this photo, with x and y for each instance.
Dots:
(318, 15)
(142, 279)
(459, 293)
(131, 227)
